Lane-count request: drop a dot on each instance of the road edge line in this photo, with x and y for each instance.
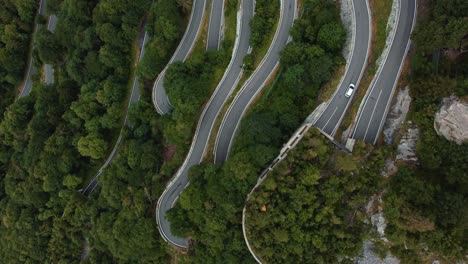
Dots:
(369, 37)
(251, 78)
(179, 171)
(376, 76)
(163, 72)
(387, 107)
(348, 62)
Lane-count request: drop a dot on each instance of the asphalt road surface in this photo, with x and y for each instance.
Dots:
(160, 98)
(372, 115)
(225, 88)
(215, 28)
(331, 117)
(48, 69)
(27, 86)
(134, 97)
(256, 82)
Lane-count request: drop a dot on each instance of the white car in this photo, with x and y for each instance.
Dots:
(350, 90)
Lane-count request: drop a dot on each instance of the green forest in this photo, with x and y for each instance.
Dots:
(310, 209)
(16, 25)
(426, 205)
(54, 140)
(209, 210)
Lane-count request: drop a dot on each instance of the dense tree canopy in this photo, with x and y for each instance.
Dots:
(54, 140)
(164, 28)
(310, 209)
(266, 15)
(16, 26)
(122, 218)
(426, 205)
(51, 139)
(209, 210)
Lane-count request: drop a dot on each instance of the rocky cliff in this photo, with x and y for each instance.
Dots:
(451, 121)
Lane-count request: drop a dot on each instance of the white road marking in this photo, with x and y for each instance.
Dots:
(336, 108)
(372, 115)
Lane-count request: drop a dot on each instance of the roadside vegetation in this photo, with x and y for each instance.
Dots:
(189, 85)
(52, 140)
(117, 222)
(426, 205)
(165, 27)
(209, 210)
(121, 213)
(311, 208)
(381, 10)
(152, 149)
(265, 13)
(262, 30)
(16, 27)
(380, 14)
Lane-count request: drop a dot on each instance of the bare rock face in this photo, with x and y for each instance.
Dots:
(397, 115)
(451, 121)
(406, 150)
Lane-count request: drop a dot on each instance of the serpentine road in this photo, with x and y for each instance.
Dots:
(391, 67)
(205, 125)
(331, 117)
(215, 28)
(256, 82)
(27, 86)
(135, 94)
(375, 106)
(354, 70)
(134, 97)
(160, 99)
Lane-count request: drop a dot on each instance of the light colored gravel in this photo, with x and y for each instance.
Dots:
(369, 257)
(347, 18)
(407, 148)
(397, 115)
(86, 249)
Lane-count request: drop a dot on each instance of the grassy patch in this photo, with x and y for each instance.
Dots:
(230, 22)
(380, 13)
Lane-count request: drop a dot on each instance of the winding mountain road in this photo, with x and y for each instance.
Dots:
(256, 82)
(160, 98)
(27, 84)
(374, 109)
(134, 97)
(386, 79)
(205, 125)
(331, 117)
(215, 27)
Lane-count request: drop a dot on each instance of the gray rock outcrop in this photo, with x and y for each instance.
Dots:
(397, 115)
(406, 150)
(451, 121)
